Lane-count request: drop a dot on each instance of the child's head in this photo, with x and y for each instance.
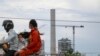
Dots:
(24, 35)
(20, 37)
(32, 24)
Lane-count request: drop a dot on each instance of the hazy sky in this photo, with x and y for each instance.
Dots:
(87, 38)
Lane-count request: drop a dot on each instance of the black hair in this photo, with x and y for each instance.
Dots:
(24, 34)
(33, 23)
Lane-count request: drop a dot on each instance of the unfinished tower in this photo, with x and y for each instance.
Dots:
(53, 36)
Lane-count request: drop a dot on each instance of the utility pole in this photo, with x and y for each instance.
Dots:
(73, 27)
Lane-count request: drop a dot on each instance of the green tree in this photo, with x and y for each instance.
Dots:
(71, 53)
(77, 54)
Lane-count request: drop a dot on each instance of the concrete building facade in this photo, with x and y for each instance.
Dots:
(64, 45)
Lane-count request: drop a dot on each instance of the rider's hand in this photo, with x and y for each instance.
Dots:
(24, 48)
(16, 53)
(5, 46)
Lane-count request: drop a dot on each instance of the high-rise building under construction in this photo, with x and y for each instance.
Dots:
(64, 45)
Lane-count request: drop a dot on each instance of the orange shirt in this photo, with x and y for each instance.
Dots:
(34, 41)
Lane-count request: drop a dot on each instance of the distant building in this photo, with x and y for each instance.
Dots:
(1, 52)
(64, 45)
(43, 48)
(98, 54)
(83, 54)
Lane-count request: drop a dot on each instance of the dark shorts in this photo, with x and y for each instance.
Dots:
(10, 53)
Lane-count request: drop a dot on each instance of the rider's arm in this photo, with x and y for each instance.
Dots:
(10, 36)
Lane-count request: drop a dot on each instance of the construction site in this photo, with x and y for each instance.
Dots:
(65, 27)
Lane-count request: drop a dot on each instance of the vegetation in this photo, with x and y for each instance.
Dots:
(71, 53)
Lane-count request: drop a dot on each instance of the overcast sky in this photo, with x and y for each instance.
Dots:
(87, 38)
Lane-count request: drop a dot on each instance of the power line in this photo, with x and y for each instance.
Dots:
(54, 20)
(91, 52)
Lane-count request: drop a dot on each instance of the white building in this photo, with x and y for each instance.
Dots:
(42, 48)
